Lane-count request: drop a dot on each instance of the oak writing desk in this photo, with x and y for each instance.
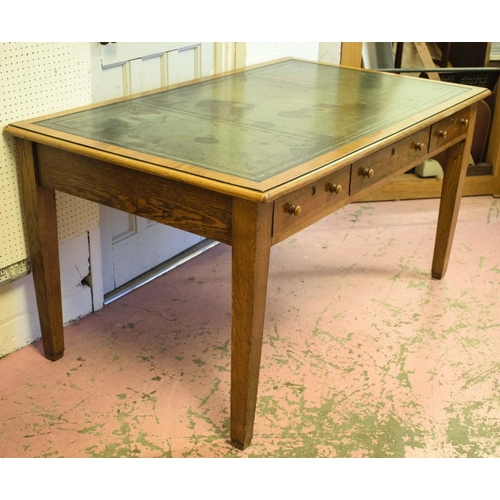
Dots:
(246, 158)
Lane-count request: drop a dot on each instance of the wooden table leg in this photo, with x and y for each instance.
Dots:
(251, 246)
(41, 227)
(455, 172)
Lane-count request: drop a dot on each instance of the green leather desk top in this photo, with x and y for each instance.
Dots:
(260, 122)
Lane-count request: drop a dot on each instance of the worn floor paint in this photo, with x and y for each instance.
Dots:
(365, 355)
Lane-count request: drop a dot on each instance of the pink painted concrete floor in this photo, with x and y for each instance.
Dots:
(365, 355)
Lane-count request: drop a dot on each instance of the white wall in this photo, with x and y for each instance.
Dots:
(19, 323)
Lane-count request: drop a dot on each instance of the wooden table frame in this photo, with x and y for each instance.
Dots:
(249, 220)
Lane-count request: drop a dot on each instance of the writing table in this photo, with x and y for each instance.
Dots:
(246, 158)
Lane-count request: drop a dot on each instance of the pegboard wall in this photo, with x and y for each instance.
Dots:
(258, 52)
(37, 79)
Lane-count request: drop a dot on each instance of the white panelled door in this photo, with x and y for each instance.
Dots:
(132, 245)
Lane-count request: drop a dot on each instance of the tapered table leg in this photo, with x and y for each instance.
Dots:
(455, 172)
(251, 248)
(41, 227)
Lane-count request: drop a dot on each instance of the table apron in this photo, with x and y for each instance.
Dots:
(209, 213)
(183, 206)
(316, 202)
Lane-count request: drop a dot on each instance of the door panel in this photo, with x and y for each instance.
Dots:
(131, 245)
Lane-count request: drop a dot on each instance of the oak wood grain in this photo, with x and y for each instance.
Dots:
(389, 161)
(250, 266)
(179, 205)
(315, 200)
(455, 171)
(41, 226)
(452, 127)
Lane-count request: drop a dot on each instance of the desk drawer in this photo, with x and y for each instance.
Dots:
(401, 156)
(449, 129)
(300, 208)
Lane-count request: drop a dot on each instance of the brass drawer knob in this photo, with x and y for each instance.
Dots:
(294, 209)
(335, 188)
(368, 172)
(442, 133)
(420, 146)
(464, 122)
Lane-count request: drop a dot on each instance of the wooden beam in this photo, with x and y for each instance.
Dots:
(350, 54)
(423, 52)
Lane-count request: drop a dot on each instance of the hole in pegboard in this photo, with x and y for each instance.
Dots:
(75, 216)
